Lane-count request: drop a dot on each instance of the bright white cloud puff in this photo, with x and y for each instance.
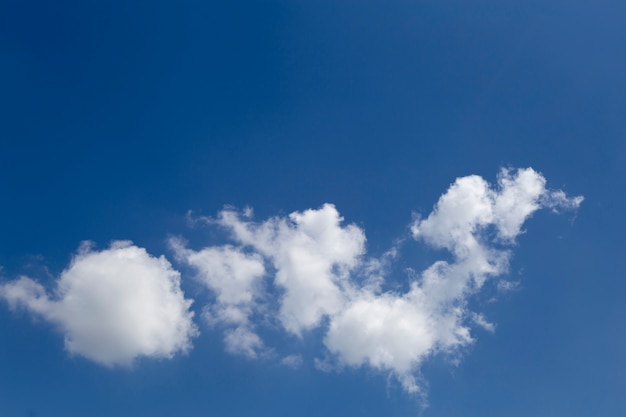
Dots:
(235, 279)
(313, 255)
(113, 306)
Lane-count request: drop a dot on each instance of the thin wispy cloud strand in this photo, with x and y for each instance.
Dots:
(308, 270)
(113, 306)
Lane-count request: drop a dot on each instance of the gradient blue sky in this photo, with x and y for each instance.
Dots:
(117, 119)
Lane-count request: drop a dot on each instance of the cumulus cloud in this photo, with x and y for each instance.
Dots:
(308, 270)
(313, 255)
(113, 305)
(243, 341)
(476, 223)
(235, 279)
(390, 332)
(324, 278)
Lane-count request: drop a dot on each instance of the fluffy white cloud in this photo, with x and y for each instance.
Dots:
(299, 272)
(392, 332)
(113, 305)
(396, 332)
(319, 270)
(235, 279)
(243, 341)
(313, 255)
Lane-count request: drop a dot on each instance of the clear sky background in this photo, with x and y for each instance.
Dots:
(137, 120)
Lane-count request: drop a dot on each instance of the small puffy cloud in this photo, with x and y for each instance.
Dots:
(471, 205)
(313, 255)
(113, 305)
(396, 332)
(243, 341)
(384, 331)
(235, 279)
(233, 276)
(518, 196)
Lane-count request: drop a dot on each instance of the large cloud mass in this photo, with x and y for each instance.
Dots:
(297, 273)
(397, 332)
(320, 269)
(113, 306)
(312, 255)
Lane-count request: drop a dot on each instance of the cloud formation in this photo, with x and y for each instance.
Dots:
(396, 332)
(319, 266)
(297, 273)
(235, 280)
(313, 255)
(113, 305)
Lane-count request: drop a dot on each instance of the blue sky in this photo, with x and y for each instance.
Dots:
(371, 140)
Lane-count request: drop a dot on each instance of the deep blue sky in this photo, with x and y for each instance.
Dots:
(116, 119)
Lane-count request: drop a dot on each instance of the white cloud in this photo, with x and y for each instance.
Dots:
(235, 279)
(313, 255)
(292, 361)
(113, 305)
(481, 321)
(243, 341)
(392, 332)
(397, 332)
(323, 277)
(300, 272)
